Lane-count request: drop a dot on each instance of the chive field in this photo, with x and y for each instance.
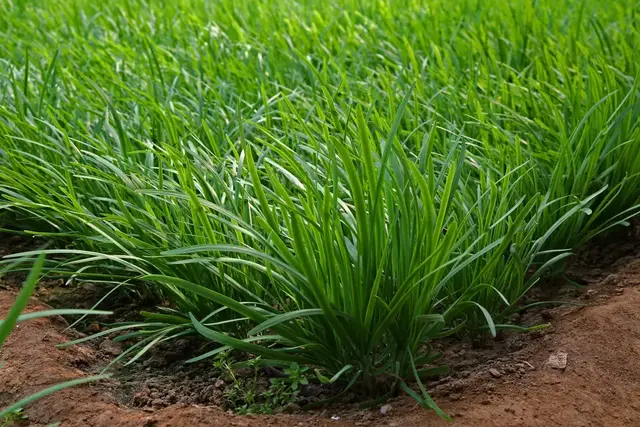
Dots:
(335, 184)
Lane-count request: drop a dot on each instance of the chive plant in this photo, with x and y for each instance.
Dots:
(335, 184)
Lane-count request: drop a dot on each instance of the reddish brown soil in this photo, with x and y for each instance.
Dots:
(32, 362)
(599, 387)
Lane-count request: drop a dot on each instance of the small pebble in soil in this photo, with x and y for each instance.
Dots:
(489, 387)
(385, 409)
(94, 327)
(485, 401)
(495, 373)
(557, 360)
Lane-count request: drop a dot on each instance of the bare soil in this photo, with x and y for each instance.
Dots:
(504, 382)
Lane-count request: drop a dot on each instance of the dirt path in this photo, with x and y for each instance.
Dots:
(600, 385)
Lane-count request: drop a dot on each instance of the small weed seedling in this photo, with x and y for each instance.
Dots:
(13, 418)
(244, 394)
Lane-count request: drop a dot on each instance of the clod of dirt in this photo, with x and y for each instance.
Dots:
(455, 396)
(110, 348)
(557, 360)
(495, 373)
(311, 390)
(290, 408)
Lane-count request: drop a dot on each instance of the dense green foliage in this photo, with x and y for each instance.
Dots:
(327, 183)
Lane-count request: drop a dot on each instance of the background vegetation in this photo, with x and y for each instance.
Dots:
(332, 184)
